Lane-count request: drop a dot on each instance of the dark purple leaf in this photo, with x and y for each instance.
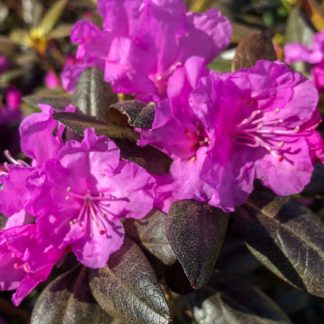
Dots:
(196, 233)
(127, 287)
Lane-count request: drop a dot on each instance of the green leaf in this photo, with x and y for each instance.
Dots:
(286, 237)
(94, 96)
(60, 31)
(299, 30)
(254, 47)
(78, 123)
(196, 233)
(68, 300)
(230, 300)
(127, 287)
(151, 234)
(51, 17)
(58, 102)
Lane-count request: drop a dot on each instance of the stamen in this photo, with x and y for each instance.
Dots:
(10, 158)
(256, 131)
(94, 210)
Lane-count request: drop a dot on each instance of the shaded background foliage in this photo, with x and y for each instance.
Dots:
(263, 264)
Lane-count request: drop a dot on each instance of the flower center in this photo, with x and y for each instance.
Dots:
(94, 213)
(267, 132)
(198, 137)
(161, 79)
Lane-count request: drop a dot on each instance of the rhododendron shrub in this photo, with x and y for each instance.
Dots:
(146, 192)
(230, 129)
(75, 194)
(160, 33)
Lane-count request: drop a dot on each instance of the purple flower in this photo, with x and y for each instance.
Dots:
(159, 33)
(314, 55)
(87, 191)
(51, 80)
(71, 73)
(233, 128)
(74, 195)
(25, 260)
(10, 112)
(39, 144)
(39, 128)
(4, 63)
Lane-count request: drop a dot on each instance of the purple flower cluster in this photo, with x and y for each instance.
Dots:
(314, 55)
(143, 41)
(72, 196)
(222, 131)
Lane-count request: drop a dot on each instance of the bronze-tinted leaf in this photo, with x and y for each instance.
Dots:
(196, 233)
(286, 237)
(78, 123)
(151, 234)
(7, 45)
(68, 300)
(94, 96)
(254, 47)
(236, 258)
(148, 157)
(136, 114)
(58, 102)
(3, 221)
(316, 186)
(230, 300)
(127, 287)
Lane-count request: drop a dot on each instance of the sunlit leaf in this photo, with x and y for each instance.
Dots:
(254, 47)
(135, 113)
(128, 288)
(286, 237)
(68, 300)
(196, 233)
(78, 123)
(55, 101)
(94, 96)
(299, 30)
(60, 31)
(148, 157)
(151, 234)
(52, 16)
